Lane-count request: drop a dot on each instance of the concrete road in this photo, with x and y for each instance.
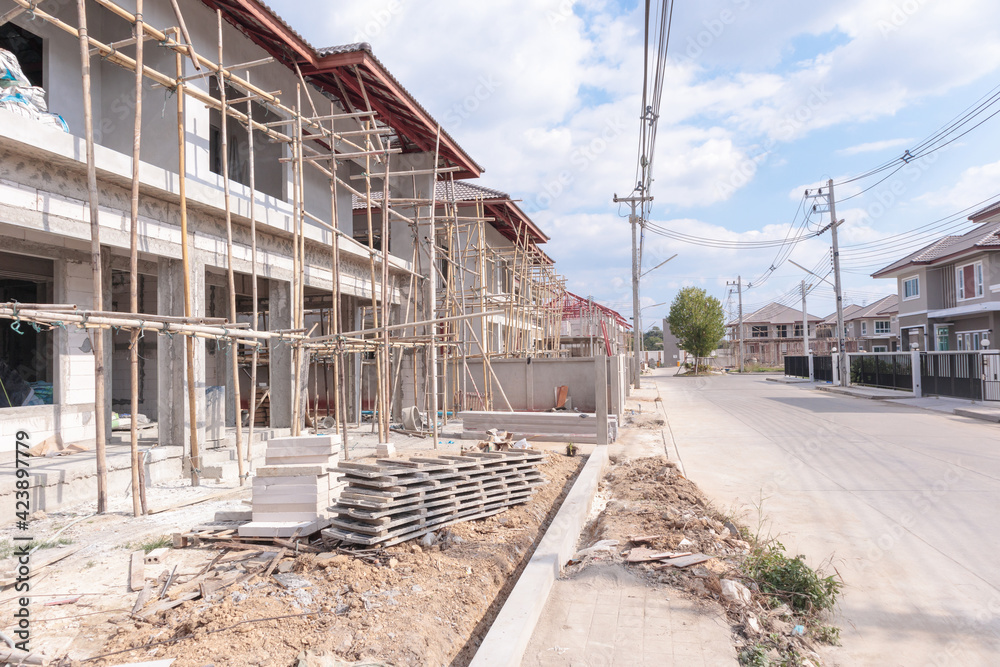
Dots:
(904, 503)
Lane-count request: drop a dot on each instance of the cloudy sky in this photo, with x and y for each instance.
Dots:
(761, 100)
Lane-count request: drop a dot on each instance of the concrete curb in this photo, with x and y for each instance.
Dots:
(860, 394)
(976, 414)
(508, 637)
(787, 380)
(970, 413)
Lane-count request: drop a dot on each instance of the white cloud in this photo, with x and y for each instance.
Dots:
(747, 79)
(874, 146)
(975, 185)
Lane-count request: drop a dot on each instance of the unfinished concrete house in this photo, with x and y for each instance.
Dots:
(215, 233)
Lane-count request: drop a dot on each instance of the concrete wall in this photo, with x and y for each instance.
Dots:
(530, 384)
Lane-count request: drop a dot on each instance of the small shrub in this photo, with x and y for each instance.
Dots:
(7, 548)
(791, 579)
(150, 544)
(754, 656)
(828, 634)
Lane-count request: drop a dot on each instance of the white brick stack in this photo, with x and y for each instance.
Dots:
(293, 490)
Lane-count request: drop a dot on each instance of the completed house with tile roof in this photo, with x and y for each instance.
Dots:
(949, 291)
(771, 333)
(870, 328)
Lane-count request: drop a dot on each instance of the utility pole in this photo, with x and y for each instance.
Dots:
(834, 224)
(634, 220)
(739, 291)
(805, 320)
(805, 330)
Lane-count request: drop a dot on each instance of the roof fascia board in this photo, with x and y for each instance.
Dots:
(268, 19)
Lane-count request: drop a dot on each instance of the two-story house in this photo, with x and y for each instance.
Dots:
(870, 328)
(772, 332)
(949, 291)
(351, 112)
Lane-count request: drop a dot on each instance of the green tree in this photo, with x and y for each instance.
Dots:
(652, 340)
(697, 321)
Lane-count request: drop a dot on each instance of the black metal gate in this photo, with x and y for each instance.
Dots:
(797, 367)
(955, 374)
(888, 371)
(823, 369)
(991, 376)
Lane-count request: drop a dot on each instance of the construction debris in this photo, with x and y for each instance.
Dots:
(293, 491)
(394, 501)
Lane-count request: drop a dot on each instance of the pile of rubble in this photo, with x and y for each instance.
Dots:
(654, 521)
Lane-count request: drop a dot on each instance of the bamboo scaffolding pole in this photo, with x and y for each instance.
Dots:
(340, 409)
(296, 222)
(138, 497)
(185, 34)
(386, 399)
(234, 357)
(194, 446)
(255, 315)
(301, 361)
(374, 306)
(432, 291)
(100, 398)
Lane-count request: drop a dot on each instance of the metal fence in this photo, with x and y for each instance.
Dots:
(823, 368)
(991, 376)
(884, 370)
(797, 367)
(955, 374)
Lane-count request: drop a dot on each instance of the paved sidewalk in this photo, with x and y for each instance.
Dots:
(607, 616)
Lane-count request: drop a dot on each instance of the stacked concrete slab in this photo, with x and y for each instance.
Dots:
(293, 490)
(559, 426)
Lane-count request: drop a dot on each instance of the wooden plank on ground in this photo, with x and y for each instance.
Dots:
(137, 571)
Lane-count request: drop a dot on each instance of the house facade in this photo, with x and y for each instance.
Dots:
(949, 291)
(870, 328)
(772, 333)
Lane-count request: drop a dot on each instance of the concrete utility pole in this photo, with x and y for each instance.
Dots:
(805, 330)
(739, 291)
(635, 220)
(834, 224)
(805, 321)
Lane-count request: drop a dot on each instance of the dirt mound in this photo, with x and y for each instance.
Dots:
(404, 605)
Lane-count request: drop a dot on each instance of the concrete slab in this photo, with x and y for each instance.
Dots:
(282, 528)
(291, 471)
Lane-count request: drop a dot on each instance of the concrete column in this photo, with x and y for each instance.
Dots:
(812, 375)
(529, 385)
(170, 356)
(918, 391)
(108, 344)
(280, 370)
(601, 397)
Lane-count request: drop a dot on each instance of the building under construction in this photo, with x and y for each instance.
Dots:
(226, 230)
